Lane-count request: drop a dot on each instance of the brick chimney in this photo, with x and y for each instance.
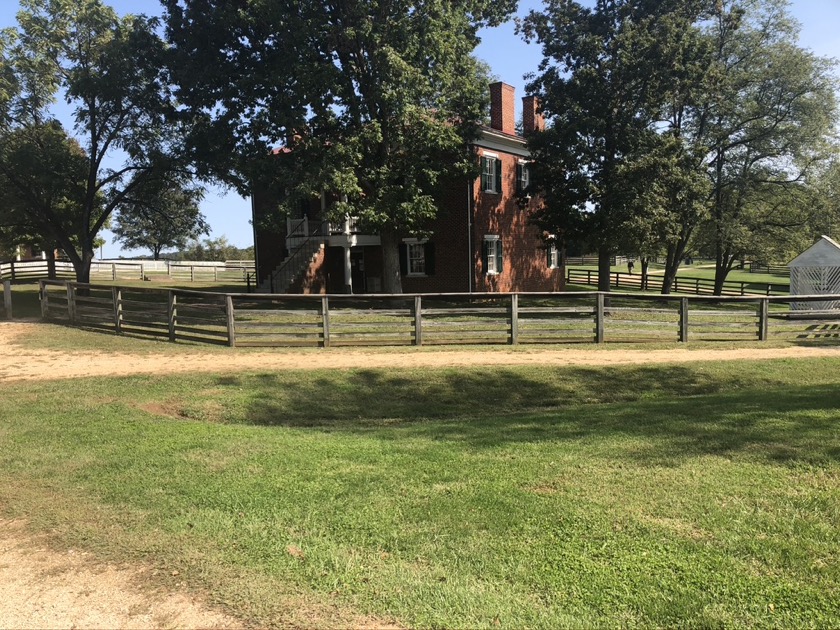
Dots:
(502, 115)
(532, 118)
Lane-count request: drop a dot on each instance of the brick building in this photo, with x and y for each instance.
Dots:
(481, 240)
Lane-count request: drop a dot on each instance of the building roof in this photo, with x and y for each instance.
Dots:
(824, 253)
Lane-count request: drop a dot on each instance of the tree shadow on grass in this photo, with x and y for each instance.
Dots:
(677, 411)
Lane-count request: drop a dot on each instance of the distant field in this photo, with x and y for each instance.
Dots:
(547, 497)
(701, 271)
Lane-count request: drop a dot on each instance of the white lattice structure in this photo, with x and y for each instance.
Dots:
(816, 271)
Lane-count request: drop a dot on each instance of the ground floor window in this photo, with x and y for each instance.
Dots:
(493, 259)
(417, 257)
(553, 256)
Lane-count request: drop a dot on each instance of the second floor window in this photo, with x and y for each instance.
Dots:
(491, 174)
(523, 177)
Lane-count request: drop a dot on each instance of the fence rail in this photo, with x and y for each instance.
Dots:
(682, 284)
(264, 320)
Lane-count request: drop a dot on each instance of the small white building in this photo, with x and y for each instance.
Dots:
(816, 271)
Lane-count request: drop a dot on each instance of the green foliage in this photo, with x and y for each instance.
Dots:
(215, 249)
(593, 162)
(160, 214)
(709, 126)
(766, 120)
(372, 101)
(42, 186)
(109, 70)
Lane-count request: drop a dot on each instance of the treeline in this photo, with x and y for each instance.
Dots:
(673, 126)
(683, 127)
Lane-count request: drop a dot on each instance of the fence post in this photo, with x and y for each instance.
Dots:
(172, 314)
(42, 294)
(114, 272)
(763, 318)
(192, 273)
(116, 297)
(71, 302)
(418, 321)
(12, 269)
(743, 290)
(514, 319)
(599, 318)
(588, 277)
(215, 274)
(7, 298)
(231, 328)
(325, 320)
(684, 320)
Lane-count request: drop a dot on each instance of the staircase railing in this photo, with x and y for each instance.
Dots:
(282, 277)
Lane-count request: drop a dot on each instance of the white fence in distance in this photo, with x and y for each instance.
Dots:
(191, 271)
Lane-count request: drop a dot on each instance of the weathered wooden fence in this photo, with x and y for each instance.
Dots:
(693, 286)
(487, 318)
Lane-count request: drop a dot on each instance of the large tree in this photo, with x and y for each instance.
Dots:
(160, 214)
(606, 74)
(375, 101)
(766, 120)
(108, 70)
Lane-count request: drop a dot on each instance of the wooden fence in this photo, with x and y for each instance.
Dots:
(193, 271)
(265, 320)
(694, 286)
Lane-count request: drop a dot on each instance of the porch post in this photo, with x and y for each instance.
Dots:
(348, 272)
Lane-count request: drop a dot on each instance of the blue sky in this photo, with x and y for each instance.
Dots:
(509, 57)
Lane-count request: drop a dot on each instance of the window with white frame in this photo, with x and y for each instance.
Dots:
(492, 255)
(416, 253)
(523, 177)
(491, 173)
(417, 257)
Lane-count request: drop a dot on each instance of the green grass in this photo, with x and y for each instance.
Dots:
(701, 270)
(691, 495)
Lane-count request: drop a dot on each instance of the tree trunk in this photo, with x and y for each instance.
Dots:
(51, 263)
(645, 261)
(722, 268)
(604, 255)
(391, 280)
(676, 252)
(81, 265)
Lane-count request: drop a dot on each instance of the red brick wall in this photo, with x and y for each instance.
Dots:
(452, 257)
(524, 255)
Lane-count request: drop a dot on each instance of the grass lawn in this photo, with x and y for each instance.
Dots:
(704, 495)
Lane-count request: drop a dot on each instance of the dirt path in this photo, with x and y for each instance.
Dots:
(41, 364)
(44, 588)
